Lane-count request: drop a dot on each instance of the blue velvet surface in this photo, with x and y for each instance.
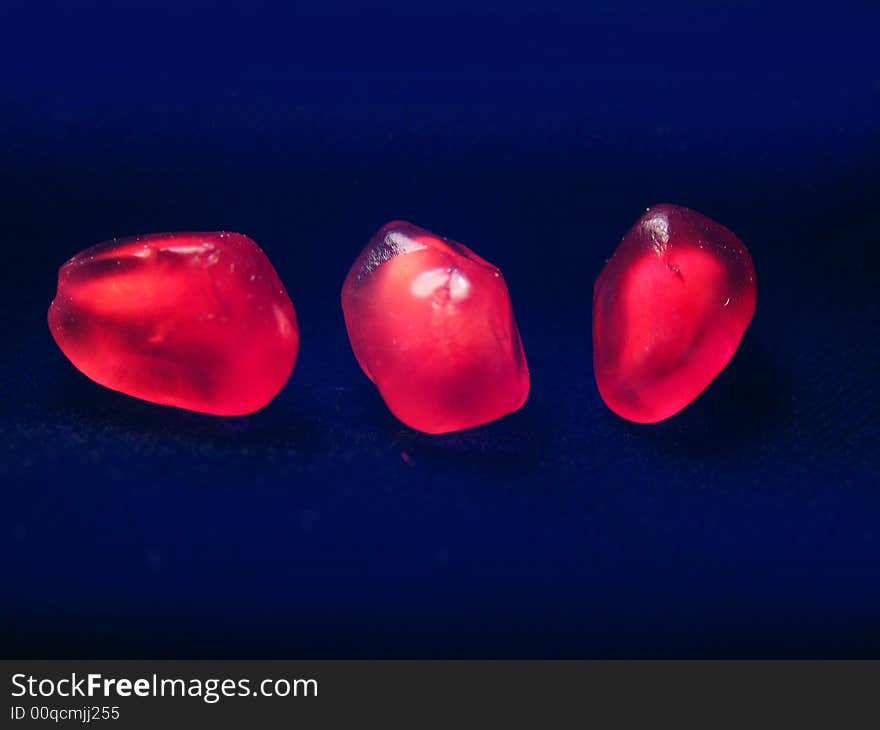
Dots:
(748, 525)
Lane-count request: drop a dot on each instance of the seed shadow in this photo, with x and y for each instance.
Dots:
(506, 448)
(749, 402)
(509, 447)
(280, 425)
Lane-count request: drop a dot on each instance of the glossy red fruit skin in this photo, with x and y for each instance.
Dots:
(431, 324)
(669, 310)
(199, 321)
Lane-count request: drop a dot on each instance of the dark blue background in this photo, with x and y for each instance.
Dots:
(749, 525)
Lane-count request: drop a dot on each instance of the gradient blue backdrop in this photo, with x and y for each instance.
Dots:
(749, 525)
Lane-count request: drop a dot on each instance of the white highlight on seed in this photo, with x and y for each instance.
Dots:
(657, 226)
(192, 248)
(453, 281)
